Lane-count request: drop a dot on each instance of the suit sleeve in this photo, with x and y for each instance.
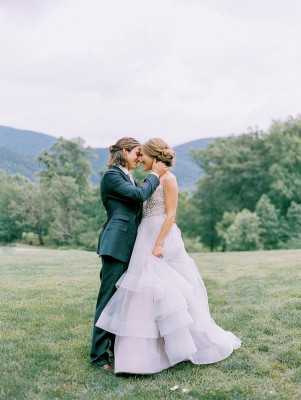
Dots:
(116, 186)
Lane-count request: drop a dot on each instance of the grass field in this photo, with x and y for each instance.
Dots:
(47, 300)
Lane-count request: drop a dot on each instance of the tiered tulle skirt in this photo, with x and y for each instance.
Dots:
(160, 313)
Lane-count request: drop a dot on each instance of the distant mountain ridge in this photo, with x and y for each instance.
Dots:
(12, 163)
(24, 142)
(18, 149)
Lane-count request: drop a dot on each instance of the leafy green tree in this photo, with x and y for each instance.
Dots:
(223, 225)
(185, 211)
(62, 203)
(86, 229)
(237, 166)
(30, 207)
(68, 203)
(243, 234)
(290, 227)
(67, 172)
(206, 211)
(67, 158)
(23, 208)
(284, 159)
(293, 218)
(10, 229)
(18, 208)
(3, 179)
(235, 177)
(40, 207)
(244, 168)
(268, 222)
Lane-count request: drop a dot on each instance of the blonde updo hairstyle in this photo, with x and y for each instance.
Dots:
(159, 150)
(117, 156)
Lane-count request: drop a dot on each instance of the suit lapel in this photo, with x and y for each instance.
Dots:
(123, 174)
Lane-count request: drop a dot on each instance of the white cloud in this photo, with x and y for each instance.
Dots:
(178, 69)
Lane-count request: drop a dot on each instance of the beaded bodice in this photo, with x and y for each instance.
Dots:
(155, 204)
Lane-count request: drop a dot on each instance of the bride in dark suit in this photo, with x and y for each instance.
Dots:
(122, 200)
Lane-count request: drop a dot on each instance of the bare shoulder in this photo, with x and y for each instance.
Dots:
(168, 180)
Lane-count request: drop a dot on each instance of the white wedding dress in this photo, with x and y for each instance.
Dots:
(160, 313)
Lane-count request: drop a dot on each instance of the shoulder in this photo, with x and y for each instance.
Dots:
(112, 173)
(169, 180)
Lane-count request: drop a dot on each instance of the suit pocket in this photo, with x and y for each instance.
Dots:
(118, 226)
(120, 217)
(119, 222)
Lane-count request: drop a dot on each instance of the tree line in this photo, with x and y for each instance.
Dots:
(63, 208)
(249, 196)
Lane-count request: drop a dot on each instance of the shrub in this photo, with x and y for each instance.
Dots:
(243, 234)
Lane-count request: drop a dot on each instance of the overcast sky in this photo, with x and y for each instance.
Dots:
(177, 69)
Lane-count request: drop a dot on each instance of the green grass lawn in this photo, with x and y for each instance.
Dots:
(47, 300)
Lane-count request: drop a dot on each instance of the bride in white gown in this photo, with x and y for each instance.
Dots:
(160, 313)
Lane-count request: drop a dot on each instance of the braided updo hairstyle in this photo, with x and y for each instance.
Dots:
(117, 156)
(159, 150)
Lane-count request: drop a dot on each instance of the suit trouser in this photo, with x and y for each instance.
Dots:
(111, 271)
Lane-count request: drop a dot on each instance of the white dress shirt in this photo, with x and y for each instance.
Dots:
(127, 172)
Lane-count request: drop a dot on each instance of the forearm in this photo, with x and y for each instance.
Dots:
(166, 227)
(171, 198)
(115, 185)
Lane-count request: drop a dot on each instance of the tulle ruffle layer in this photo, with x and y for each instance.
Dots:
(160, 313)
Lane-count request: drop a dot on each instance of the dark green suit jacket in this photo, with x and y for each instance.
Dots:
(123, 203)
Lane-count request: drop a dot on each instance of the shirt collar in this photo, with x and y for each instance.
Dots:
(123, 169)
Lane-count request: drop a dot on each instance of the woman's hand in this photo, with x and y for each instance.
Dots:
(159, 168)
(158, 250)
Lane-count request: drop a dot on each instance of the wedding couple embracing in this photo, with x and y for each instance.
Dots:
(152, 309)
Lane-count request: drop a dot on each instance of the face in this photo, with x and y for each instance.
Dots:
(147, 161)
(132, 157)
